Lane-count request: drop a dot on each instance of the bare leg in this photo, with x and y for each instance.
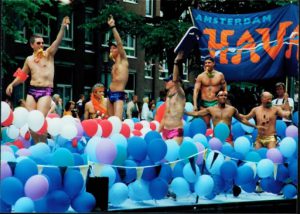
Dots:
(44, 105)
(272, 144)
(30, 103)
(118, 109)
(178, 140)
(258, 145)
(110, 108)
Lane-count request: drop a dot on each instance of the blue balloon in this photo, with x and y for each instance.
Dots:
(158, 188)
(287, 146)
(221, 131)
(295, 118)
(149, 173)
(135, 120)
(73, 182)
(227, 149)
(78, 159)
(244, 175)
(262, 152)
(58, 201)
(172, 150)
(121, 155)
(282, 173)
(186, 129)
(204, 185)
(130, 174)
(289, 191)
(151, 135)
(84, 202)
(139, 190)
(293, 170)
(265, 168)
(186, 150)
(253, 156)
(280, 128)
(249, 187)
(39, 150)
(237, 156)
(201, 138)
(178, 169)
(254, 134)
(62, 157)
(197, 126)
(166, 172)
(137, 148)
(237, 130)
(242, 145)
(11, 190)
(180, 187)
(25, 169)
(24, 205)
(118, 193)
(219, 184)
(228, 170)
(4, 207)
(156, 149)
(41, 205)
(248, 129)
(54, 177)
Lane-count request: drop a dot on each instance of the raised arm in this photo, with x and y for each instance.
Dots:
(111, 23)
(196, 92)
(25, 71)
(176, 67)
(54, 46)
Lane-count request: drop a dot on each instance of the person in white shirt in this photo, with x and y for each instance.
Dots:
(282, 98)
(145, 108)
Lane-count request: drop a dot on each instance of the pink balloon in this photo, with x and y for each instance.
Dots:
(106, 151)
(292, 131)
(215, 144)
(5, 170)
(274, 155)
(36, 187)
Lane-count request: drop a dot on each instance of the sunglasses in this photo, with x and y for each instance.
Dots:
(38, 43)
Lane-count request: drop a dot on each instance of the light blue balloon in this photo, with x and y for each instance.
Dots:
(204, 185)
(287, 146)
(201, 138)
(265, 168)
(119, 139)
(118, 193)
(188, 106)
(186, 129)
(121, 155)
(253, 156)
(289, 191)
(8, 156)
(213, 166)
(242, 145)
(172, 150)
(295, 118)
(108, 171)
(90, 148)
(221, 131)
(227, 149)
(24, 205)
(39, 150)
(237, 130)
(180, 187)
(189, 174)
(139, 190)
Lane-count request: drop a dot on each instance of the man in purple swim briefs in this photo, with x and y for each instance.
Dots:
(119, 73)
(40, 65)
(171, 123)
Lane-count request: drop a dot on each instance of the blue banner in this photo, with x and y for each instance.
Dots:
(251, 46)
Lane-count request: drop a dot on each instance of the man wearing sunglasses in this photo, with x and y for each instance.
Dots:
(40, 66)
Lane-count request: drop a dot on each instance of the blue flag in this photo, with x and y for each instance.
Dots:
(251, 46)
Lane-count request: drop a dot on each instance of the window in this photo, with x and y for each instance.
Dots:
(163, 69)
(44, 31)
(129, 43)
(130, 86)
(67, 41)
(88, 36)
(131, 1)
(149, 8)
(185, 70)
(148, 69)
(65, 92)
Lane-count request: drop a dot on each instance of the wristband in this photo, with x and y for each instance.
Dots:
(20, 74)
(112, 27)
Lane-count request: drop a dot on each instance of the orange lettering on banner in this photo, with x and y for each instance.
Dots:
(294, 39)
(249, 43)
(265, 32)
(212, 44)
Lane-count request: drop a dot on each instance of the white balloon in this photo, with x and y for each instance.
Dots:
(12, 132)
(68, 119)
(156, 124)
(145, 130)
(35, 120)
(68, 131)
(130, 123)
(54, 126)
(145, 124)
(24, 129)
(99, 131)
(20, 116)
(5, 111)
(116, 124)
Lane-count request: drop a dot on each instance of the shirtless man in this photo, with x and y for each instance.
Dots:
(266, 115)
(119, 73)
(171, 123)
(221, 112)
(97, 106)
(208, 83)
(40, 65)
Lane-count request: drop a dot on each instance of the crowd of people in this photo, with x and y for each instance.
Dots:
(211, 100)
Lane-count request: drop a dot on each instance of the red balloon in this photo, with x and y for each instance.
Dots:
(74, 143)
(138, 126)
(27, 135)
(152, 126)
(160, 112)
(106, 127)
(209, 132)
(125, 130)
(19, 144)
(53, 115)
(44, 128)
(9, 120)
(90, 127)
(137, 133)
